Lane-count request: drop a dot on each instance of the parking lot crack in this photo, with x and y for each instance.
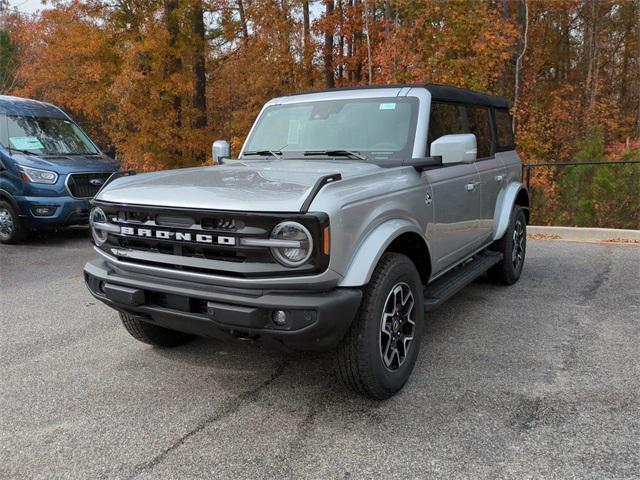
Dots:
(591, 290)
(228, 409)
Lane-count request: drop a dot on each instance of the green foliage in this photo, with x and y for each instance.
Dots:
(8, 62)
(600, 195)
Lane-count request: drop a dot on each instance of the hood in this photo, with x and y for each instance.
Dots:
(252, 186)
(62, 164)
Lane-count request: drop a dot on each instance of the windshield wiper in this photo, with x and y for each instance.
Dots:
(336, 153)
(28, 152)
(264, 153)
(76, 154)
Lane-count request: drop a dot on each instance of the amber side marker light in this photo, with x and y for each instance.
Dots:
(326, 241)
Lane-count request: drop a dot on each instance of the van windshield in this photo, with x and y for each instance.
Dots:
(371, 127)
(45, 136)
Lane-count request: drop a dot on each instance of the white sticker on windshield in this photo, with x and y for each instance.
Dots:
(387, 106)
(26, 143)
(293, 135)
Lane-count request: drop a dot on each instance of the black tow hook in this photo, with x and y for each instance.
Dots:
(244, 336)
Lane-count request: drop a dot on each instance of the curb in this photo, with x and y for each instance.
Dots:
(575, 234)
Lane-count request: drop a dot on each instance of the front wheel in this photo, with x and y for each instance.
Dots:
(378, 353)
(11, 229)
(513, 246)
(152, 334)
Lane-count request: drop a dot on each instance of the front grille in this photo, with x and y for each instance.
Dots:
(86, 185)
(234, 258)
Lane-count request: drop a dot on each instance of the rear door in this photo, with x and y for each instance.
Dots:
(455, 191)
(490, 167)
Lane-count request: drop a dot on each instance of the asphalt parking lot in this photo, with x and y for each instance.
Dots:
(538, 380)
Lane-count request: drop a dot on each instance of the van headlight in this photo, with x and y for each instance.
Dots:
(36, 175)
(296, 244)
(98, 219)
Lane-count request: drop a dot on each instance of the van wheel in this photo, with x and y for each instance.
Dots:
(11, 229)
(513, 246)
(378, 353)
(152, 334)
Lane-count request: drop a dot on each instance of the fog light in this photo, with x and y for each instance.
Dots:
(43, 211)
(279, 317)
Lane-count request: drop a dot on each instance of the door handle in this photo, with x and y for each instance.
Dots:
(499, 178)
(470, 187)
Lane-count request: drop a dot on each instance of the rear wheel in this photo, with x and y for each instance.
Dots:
(11, 229)
(513, 246)
(153, 334)
(378, 353)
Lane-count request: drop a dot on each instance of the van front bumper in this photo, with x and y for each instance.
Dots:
(66, 210)
(313, 320)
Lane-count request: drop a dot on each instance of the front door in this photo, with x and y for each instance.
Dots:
(456, 199)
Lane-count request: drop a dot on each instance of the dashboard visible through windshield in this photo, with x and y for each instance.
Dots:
(375, 128)
(44, 136)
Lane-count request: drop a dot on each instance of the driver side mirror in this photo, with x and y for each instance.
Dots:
(458, 148)
(220, 150)
(110, 151)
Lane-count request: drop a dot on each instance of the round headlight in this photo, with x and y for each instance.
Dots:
(292, 256)
(97, 215)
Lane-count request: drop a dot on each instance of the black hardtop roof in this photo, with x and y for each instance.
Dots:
(444, 93)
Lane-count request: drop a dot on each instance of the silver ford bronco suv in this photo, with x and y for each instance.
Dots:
(348, 214)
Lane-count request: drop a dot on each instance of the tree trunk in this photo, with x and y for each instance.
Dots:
(329, 78)
(519, 63)
(388, 16)
(199, 100)
(341, 43)
(174, 62)
(243, 20)
(308, 49)
(368, 37)
(357, 43)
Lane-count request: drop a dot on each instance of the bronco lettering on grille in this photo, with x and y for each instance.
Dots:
(179, 236)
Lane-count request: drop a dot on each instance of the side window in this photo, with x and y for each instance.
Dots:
(478, 118)
(504, 134)
(3, 131)
(451, 118)
(446, 119)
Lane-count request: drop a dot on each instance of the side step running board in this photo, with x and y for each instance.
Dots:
(446, 286)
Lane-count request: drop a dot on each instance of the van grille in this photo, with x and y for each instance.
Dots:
(86, 185)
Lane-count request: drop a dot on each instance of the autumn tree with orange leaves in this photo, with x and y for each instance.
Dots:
(161, 79)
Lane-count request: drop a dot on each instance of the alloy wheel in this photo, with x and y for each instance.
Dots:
(517, 253)
(397, 326)
(6, 223)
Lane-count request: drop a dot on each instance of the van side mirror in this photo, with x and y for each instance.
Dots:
(220, 150)
(456, 148)
(110, 151)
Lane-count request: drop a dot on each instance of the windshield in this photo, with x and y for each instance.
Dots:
(374, 127)
(45, 136)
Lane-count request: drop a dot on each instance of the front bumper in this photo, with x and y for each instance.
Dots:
(68, 211)
(315, 320)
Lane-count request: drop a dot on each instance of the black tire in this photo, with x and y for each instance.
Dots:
(152, 334)
(11, 228)
(359, 357)
(513, 246)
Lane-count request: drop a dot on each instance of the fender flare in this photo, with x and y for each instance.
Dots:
(504, 206)
(4, 195)
(371, 249)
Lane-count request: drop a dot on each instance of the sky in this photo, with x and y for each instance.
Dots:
(26, 6)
